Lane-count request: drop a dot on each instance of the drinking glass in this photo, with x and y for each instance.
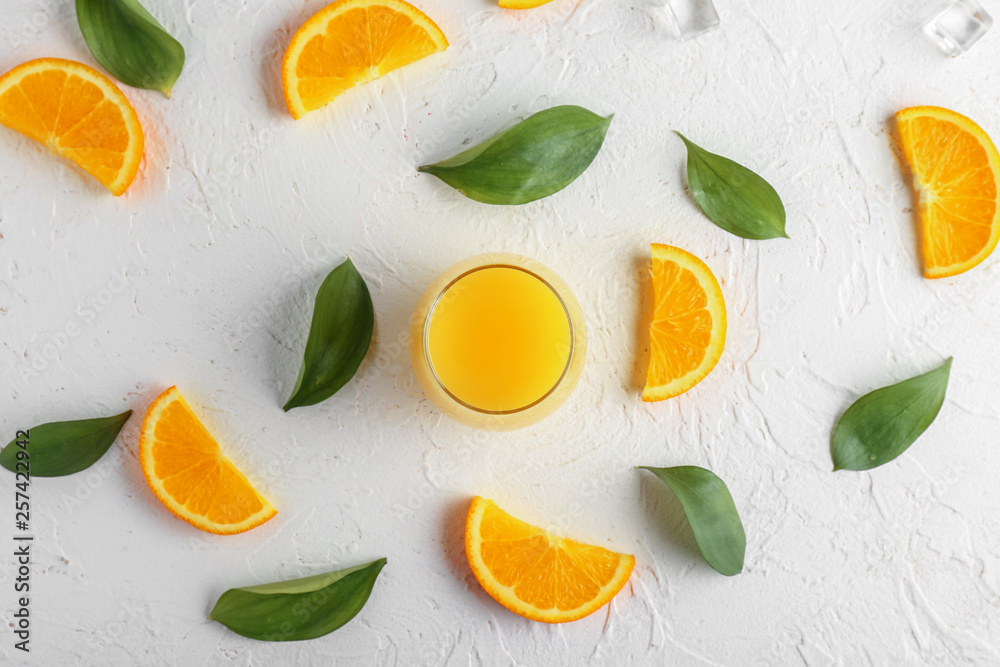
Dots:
(478, 370)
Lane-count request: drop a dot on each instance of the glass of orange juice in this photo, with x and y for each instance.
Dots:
(497, 341)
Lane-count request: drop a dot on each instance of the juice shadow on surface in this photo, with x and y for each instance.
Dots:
(453, 543)
(149, 179)
(643, 300)
(908, 178)
(453, 534)
(273, 53)
(139, 401)
(667, 514)
(289, 326)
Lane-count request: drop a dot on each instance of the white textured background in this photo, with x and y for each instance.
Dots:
(204, 274)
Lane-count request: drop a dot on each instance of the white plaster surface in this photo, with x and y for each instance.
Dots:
(203, 276)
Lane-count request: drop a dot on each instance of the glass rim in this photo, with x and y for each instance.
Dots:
(437, 300)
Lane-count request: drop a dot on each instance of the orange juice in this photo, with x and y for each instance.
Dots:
(497, 341)
(499, 338)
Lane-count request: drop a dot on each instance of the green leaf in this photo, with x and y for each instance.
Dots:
(130, 43)
(881, 425)
(732, 196)
(298, 609)
(63, 448)
(339, 337)
(538, 157)
(712, 514)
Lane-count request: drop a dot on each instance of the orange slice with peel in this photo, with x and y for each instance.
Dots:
(523, 4)
(955, 169)
(78, 114)
(687, 332)
(184, 466)
(351, 42)
(535, 574)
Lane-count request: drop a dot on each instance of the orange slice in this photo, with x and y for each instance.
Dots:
(955, 170)
(187, 471)
(77, 113)
(688, 328)
(522, 4)
(536, 574)
(351, 42)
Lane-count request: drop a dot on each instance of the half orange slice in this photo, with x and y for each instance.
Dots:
(536, 574)
(351, 42)
(185, 468)
(687, 332)
(955, 169)
(77, 113)
(523, 4)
